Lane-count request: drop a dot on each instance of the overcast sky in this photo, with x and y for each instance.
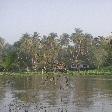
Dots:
(45, 16)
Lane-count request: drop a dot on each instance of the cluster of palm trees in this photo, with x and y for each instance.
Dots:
(35, 52)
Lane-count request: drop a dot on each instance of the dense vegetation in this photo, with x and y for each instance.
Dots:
(35, 52)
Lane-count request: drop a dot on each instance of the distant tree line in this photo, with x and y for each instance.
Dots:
(34, 52)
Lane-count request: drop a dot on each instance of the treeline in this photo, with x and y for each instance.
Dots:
(35, 52)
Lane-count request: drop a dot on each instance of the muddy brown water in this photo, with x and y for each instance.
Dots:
(55, 93)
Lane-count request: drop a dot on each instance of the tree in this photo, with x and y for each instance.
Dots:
(108, 48)
(33, 52)
(82, 47)
(2, 50)
(30, 46)
(50, 50)
(65, 39)
(99, 52)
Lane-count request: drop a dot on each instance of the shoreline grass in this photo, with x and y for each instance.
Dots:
(102, 71)
(73, 73)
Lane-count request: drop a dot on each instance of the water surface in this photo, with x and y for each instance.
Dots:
(55, 93)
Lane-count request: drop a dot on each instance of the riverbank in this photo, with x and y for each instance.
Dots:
(73, 73)
(102, 71)
(91, 72)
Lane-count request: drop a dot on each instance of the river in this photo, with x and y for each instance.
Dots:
(58, 93)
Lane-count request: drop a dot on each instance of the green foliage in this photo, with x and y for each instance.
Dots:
(35, 52)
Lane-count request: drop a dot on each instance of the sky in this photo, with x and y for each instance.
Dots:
(45, 16)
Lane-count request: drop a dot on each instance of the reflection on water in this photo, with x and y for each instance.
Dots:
(55, 94)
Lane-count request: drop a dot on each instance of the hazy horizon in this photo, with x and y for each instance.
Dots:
(60, 16)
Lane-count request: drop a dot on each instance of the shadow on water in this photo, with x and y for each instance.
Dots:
(55, 94)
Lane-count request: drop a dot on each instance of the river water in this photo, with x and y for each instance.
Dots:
(58, 93)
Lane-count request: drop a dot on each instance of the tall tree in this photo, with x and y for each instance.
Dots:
(82, 44)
